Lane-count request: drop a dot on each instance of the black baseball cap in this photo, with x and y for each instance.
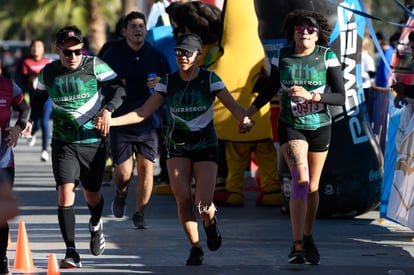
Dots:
(189, 42)
(309, 18)
(68, 33)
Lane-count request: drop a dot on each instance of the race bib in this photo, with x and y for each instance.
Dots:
(305, 107)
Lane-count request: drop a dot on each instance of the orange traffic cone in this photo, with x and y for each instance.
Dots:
(9, 242)
(52, 267)
(23, 260)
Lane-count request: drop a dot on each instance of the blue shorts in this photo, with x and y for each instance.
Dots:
(72, 163)
(124, 145)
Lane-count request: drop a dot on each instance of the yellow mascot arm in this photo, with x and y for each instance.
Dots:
(240, 66)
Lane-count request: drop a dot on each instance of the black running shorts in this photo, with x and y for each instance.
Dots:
(207, 154)
(318, 139)
(72, 163)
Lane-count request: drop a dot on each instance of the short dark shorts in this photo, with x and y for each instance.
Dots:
(208, 154)
(72, 163)
(318, 139)
(124, 145)
(7, 175)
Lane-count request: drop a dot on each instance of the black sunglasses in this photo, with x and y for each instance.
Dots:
(310, 29)
(69, 53)
(181, 53)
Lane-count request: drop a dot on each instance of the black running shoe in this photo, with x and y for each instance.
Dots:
(4, 265)
(138, 221)
(196, 256)
(296, 255)
(118, 205)
(71, 260)
(311, 252)
(97, 243)
(213, 235)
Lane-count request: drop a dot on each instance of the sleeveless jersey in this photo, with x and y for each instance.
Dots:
(309, 72)
(10, 95)
(191, 107)
(76, 97)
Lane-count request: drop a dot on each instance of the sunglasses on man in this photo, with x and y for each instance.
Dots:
(68, 53)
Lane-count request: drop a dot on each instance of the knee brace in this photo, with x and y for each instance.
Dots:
(299, 190)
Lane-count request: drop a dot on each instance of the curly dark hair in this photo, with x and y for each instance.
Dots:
(324, 28)
(201, 18)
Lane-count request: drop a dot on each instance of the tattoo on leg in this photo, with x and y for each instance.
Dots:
(294, 152)
(205, 208)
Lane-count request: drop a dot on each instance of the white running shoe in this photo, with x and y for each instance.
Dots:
(32, 141)
(44, 156)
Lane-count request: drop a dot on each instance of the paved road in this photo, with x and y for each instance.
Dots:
(255, 240)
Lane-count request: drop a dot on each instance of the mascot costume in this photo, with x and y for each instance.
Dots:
(351, 181)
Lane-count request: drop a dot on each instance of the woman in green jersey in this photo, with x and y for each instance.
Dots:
(307, 77)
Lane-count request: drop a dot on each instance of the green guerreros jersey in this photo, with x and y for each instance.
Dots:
(310, 72)
(191, 109)
(76, 98)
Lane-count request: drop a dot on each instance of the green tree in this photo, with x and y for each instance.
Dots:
(389, 11)
(25, 20)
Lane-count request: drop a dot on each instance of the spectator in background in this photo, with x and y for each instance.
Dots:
(395, 37)
(133, 59)
(381, 92)
(8, 63)
(367, 74)
(114, 37)
(29, 69)
(404, 90)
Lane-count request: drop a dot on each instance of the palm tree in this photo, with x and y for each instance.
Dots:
(26, 20)
(368, 4)
(128, 6)
(96, 26)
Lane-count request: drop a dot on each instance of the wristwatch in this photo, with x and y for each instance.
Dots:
(110, 108)
(21, 124)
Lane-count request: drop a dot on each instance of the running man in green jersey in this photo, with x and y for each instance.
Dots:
(74, 84)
